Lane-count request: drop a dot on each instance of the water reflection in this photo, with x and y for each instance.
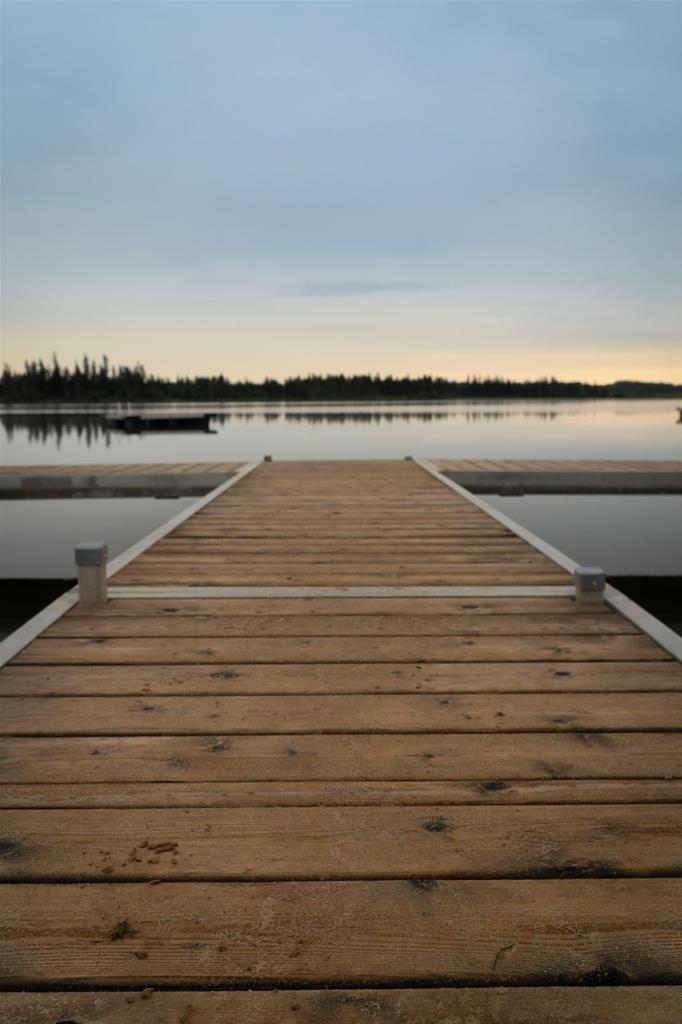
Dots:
(43, 427)
(89, 428)
(531, 429)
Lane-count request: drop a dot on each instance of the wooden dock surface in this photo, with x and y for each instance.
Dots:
(113, 480)
(563, 465)
(455, 465)
(485, 476)
(341, 808)
(122, 469)
(565, 476)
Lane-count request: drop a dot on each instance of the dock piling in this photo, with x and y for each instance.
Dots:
(590, 582)
(91, 559)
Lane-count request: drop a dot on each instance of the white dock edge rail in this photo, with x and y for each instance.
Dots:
(174, 592)
(665, 637)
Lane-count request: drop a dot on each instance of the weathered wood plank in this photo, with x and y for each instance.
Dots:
(337, 533)
(271, 843)
(339, 606)
(208, 577)
(546, 1005)
(338, 794)
(238, 678)
(327, 932)
(492, 546)
(341, 562)
(359, 713)
(352, 568)
(75, 625)
(214, 650)
(356, 510)
(413, 757)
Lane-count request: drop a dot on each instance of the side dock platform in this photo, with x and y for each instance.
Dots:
(481, 476)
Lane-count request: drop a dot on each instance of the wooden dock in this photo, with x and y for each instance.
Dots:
(113, 480)
(341, 748)
(565, 476)
(482, 476)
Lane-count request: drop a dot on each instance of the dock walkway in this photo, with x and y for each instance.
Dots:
(341, 749)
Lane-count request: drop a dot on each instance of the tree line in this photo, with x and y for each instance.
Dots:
(89, 381)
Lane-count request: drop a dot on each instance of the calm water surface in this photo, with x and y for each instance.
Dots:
(627, 535)
(557, 429)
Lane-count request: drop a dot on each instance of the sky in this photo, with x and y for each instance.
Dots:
(271, 189)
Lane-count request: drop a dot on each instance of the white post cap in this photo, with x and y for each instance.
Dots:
(91, 552)
(589, 579)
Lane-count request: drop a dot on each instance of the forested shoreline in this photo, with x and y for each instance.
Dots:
(90, 381)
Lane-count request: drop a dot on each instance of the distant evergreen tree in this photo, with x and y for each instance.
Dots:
(104, 382)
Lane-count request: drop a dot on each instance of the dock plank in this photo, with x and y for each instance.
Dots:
(551, 1005)
(383, 677)
(357, 713)
(271, 843)
(348, 756)
(353, 931)
(300, 793)
(75, 625)
(263, 650)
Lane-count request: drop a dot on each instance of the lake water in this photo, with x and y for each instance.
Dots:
(559, 429)
(626, 535)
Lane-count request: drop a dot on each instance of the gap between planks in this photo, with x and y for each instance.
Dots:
(488, 792)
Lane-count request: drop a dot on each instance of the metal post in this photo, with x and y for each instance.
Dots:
(590, 582)
(91, 559)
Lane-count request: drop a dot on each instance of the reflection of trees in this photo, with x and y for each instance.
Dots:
(89, 429)
(341, 417)
(42, 427)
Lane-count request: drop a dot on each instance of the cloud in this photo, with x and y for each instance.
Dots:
(335, 289)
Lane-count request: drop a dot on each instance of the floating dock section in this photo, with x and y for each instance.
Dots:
(480, 476)
(342, 748)
(113, 480)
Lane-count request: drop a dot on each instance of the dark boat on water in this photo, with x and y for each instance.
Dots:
(134, 423)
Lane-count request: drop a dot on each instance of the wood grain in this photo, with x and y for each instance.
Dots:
(319, 607)
(216, 650)
(294, 757)
(548, 1005)
(337, 625)
(338, 794)
(326, 932)
(271, 843)
(434, 677)
(356, 713)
